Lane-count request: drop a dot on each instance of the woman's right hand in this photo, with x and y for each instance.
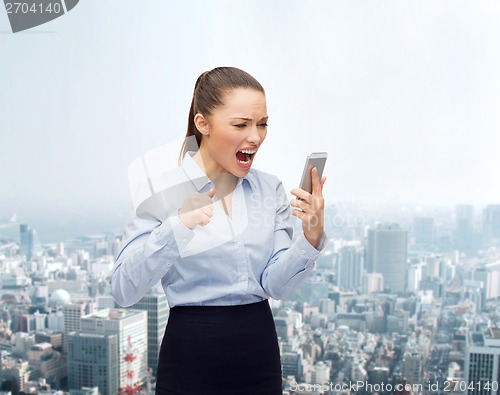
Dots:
(197, 209)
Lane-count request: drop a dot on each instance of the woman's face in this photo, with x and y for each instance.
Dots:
(240, 124)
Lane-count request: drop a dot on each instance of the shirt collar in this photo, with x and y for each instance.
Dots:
(200, 179)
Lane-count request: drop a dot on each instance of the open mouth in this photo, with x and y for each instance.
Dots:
(245, 156)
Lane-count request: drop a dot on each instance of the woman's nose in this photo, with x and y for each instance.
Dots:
(256, 136)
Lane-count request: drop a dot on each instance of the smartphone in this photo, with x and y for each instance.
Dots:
(315, 159)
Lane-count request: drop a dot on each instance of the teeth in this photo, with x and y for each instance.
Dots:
(243, 161)
(248, 152)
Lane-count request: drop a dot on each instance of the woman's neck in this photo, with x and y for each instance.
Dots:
(223, 181)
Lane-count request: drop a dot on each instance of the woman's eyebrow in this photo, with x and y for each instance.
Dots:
(250, 119)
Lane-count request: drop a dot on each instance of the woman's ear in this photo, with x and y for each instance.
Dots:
(201, 124)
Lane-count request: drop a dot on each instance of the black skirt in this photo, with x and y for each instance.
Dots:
(219, 350)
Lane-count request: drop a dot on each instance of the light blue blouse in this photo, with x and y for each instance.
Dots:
(238, 260)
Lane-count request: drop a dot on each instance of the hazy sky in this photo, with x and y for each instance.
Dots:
(404, 95)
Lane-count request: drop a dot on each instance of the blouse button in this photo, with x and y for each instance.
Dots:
(238, 243)
(303, 252)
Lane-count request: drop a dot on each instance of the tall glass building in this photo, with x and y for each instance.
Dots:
(156, 305)
(130, 329)
(387, 253)
(482, 362)
(350, 268)
(29, 242)
(93, 361)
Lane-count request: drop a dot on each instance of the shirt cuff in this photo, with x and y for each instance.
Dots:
(309, 249)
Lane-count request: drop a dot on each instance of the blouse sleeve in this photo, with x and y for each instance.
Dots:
(149, 249)
(290, 263)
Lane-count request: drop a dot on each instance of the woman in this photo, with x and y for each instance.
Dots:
(225, 248)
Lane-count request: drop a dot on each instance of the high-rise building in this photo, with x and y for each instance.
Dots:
(490, 281)
(29, 242)
(284, 328)
(156, 306)
(423, 231)
(413, 367)
(291, 364)
(350, 268)
(414, 276)
(93, 361)
(131, 328)
(387, 254)
(491, 224)
(73, 312)
(464, 226)
(482, 362)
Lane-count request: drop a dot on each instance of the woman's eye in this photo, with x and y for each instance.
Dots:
(264, 124)
(240, 125)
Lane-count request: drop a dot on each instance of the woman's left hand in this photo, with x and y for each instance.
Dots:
(311, 207)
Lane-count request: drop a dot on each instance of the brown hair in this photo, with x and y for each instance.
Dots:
(208, 92)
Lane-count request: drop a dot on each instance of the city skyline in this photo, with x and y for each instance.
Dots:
(360, 212)
(432, 326)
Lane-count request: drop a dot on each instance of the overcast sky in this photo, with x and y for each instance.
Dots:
(404, 95)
